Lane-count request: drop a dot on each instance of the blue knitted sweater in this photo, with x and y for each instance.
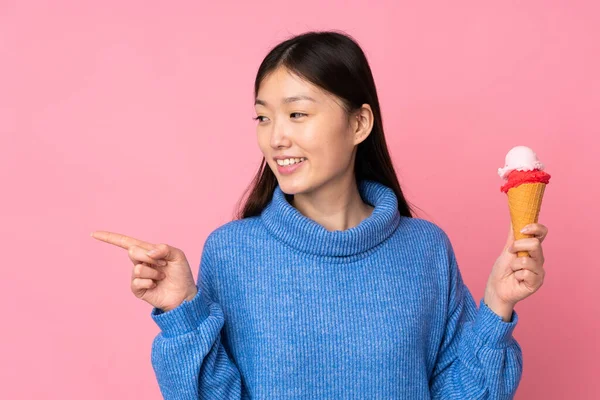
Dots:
(289, 310)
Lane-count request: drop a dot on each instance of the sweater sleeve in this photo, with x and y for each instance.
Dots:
(478, 357)
(187, 356)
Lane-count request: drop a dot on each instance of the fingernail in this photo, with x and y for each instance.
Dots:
(152, 252)
(526, 229)
(162, 262)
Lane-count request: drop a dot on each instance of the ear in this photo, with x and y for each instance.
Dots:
(362, 123)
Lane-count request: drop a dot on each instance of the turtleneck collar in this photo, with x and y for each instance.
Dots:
(302, 233)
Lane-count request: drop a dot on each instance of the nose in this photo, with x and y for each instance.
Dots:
(279, 136)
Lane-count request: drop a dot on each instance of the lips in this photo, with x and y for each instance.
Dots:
(290, 168)
(286, 157)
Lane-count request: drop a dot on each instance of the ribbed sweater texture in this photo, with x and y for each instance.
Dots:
(289, 310)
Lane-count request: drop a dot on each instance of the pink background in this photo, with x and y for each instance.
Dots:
(135, 117)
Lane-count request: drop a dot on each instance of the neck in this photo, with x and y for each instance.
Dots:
(335, 206)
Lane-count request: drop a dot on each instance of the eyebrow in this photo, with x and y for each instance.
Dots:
(286, 100)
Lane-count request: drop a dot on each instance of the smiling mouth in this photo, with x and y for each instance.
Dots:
(282, 164)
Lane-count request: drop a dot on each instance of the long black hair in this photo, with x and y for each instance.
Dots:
(334, 62)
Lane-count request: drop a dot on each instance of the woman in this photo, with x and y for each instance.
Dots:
(326, 287)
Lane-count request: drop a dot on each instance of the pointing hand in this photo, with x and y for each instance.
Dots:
(161, 274)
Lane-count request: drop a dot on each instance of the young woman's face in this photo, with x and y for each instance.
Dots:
(317, 130)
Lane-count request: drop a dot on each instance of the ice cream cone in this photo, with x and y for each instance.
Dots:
(524, 203)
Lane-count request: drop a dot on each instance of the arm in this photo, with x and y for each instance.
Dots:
(478, 357)
(188, 358)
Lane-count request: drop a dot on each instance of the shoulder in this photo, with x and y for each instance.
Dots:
(425, 230)
(427, 241)
(232, 233)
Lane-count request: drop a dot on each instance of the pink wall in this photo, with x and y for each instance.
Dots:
(135, 117)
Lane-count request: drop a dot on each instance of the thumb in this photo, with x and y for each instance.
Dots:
(160, 251)
(166, 252)
(511, 236)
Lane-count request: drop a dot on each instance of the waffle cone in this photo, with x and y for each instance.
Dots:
(524, 203)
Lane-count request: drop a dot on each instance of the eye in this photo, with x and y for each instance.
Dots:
(298, 113)
(258, 118)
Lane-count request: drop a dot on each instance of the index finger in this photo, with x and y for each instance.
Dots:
(537, 230)
(122, 241)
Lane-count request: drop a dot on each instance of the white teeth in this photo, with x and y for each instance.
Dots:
(290, 161)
